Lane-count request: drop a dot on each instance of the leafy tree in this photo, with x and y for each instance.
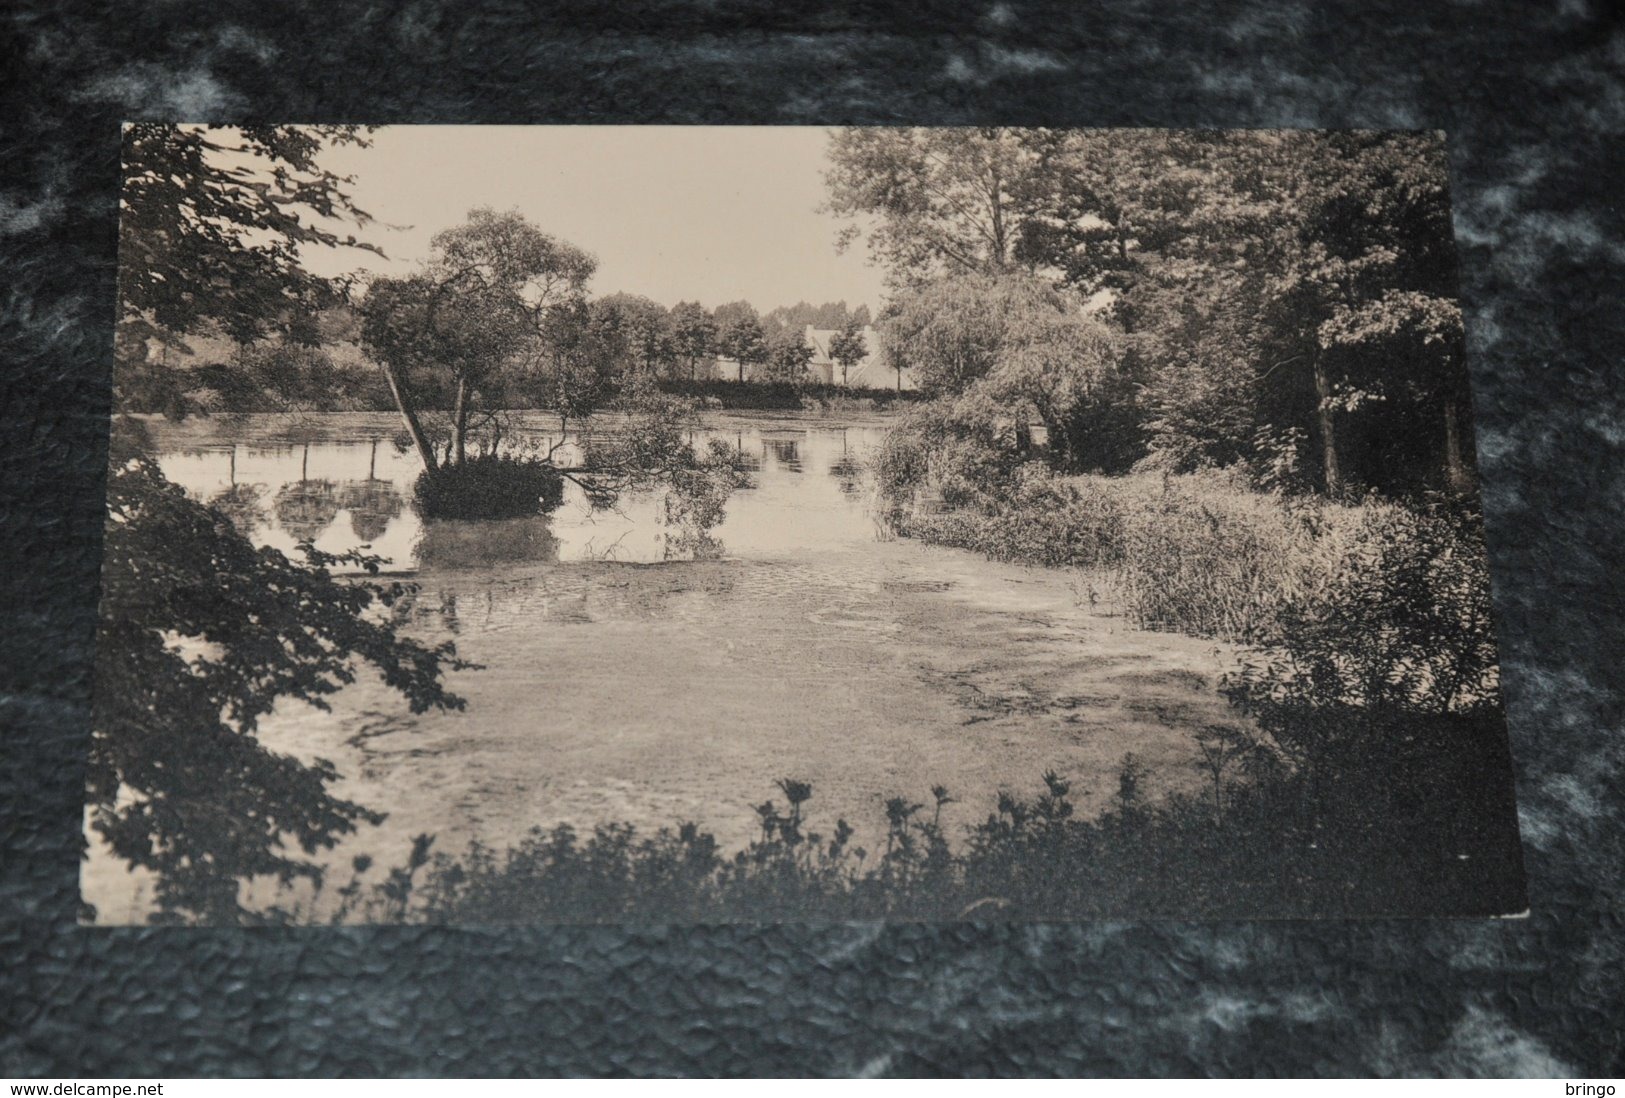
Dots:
(694, 333)
(587, 349)
(954, 331)
(848, 347)
(1118, 207)
(200, 636)
(1301, 280)
(1379, 267)
(943, 200)
(211, 225)
(788, 354)
(647, 327)
(742, 339)
(1009, 348)
(420, 325)
(509, 283)
(1059, 366)
(394, 317)
(1275, 286)
(488, 295)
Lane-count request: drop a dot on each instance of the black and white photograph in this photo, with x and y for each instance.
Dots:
(689, 524)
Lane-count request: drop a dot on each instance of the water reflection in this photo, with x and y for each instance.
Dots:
(848, 474)
(455, 543)
(372, 504)
(345, 489)
(786, 452)
(306, 508)
(746, 458)
(244, 505)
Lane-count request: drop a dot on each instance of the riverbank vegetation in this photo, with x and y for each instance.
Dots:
(1242, 849)
(1219, 374)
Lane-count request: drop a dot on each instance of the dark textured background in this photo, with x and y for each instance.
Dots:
(1532, 97)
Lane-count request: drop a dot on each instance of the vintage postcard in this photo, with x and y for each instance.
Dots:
(685, 524)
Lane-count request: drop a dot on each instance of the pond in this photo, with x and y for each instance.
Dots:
(345, 483)
(622, 682)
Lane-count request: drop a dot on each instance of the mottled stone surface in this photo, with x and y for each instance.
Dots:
(1532, 97)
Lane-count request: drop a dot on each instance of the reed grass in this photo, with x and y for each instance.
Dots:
(1200, 553)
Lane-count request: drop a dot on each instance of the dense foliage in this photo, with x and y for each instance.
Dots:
(210, 226)
(489, 486)
(1279, 298)
(1246, 848)
(201, 635)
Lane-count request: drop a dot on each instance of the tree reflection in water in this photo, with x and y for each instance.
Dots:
(689, 543)
(848, 474)
(449, 544)
(786, 452)
(306, 508)
(744, 460)
(372, 504)
(244, 505)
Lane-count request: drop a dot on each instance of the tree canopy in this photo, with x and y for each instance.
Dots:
(1275, 290)
(212, 223)
(944, 200)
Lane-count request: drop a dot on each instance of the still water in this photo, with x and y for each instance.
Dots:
(622, 682)
(343, 489)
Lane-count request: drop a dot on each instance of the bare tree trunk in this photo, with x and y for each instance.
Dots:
(1328, 430)
(1455, 464)
(409, 417)
(459, 423)
(1001, 246)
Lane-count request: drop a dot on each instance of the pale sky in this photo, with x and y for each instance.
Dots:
(714, 213)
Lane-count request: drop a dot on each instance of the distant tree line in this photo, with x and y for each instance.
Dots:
(314, 359)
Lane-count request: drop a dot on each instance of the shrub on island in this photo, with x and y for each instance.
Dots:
(489, 487)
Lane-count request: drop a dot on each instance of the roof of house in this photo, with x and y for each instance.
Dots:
(869, 372)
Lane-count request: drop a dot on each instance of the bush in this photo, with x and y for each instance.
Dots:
(1391, 670)
(1036, 858)
(1043, 520)
(966, 456)
(1404, 623)
(489, 487)
(1200, 554)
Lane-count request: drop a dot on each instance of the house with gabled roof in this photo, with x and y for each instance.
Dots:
(871, 372)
